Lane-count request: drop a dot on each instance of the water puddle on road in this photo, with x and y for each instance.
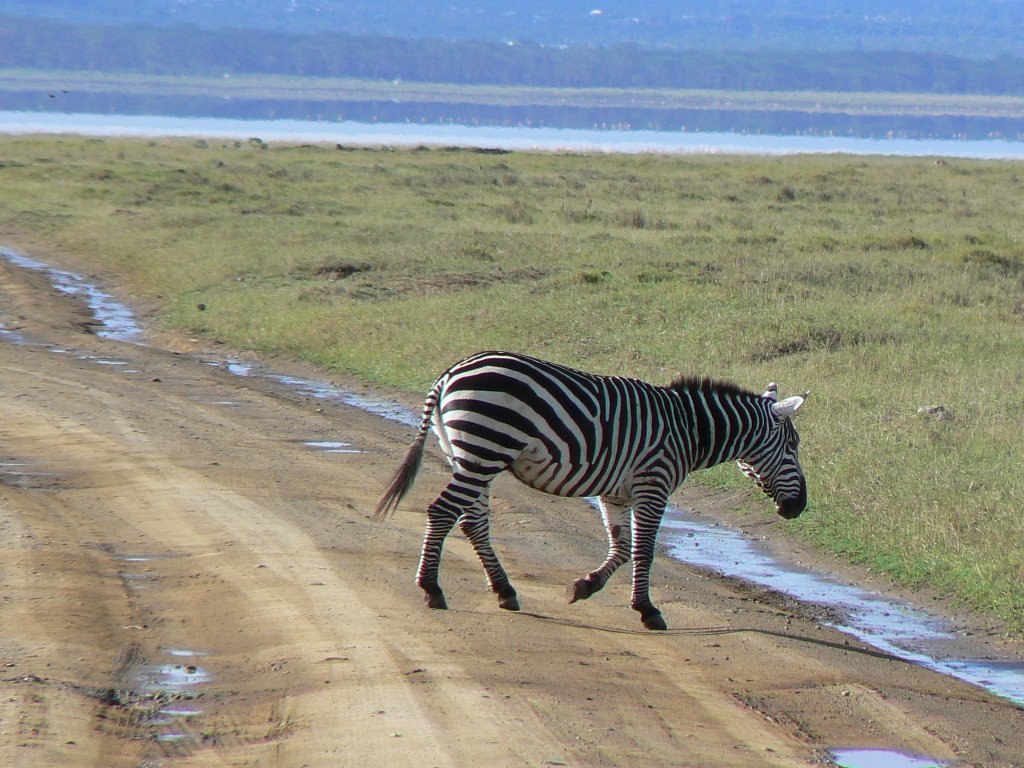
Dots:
(880, 621)
(331, 446)
(320, 390)
(103, 360)
(173, 678)
(182, 652)
(173, 689)
(21, 475)
(882, 758)
(114, 320)
(143, 558)
(13, 337)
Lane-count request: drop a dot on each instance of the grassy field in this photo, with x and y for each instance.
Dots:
(885, 286)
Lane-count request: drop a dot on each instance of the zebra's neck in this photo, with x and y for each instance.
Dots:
(720, 422)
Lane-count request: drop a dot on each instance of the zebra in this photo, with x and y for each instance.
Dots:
(570, 433)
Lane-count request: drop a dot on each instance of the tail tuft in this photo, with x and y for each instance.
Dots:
(403, 479)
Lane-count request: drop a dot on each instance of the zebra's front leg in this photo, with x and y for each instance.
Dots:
(615, 514)
(476, 524)
(646, 521)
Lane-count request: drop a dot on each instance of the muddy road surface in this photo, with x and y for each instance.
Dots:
(185, 580)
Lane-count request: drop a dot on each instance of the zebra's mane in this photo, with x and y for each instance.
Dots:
(707, 386)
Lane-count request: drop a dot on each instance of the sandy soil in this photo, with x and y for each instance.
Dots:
(169, 543)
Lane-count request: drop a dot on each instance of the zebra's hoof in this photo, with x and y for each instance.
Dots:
(507, 597)
(654, 621)
(509, 603)
(436, 600)
(580, 589)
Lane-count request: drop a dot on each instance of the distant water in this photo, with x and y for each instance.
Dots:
(499, 137)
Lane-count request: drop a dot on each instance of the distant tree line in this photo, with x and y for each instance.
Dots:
(188, 50)
(970, 28)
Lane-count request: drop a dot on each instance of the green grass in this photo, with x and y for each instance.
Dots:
(882, 285)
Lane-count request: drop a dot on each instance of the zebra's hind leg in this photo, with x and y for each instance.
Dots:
(476, 524)
(615, 514)
(441, 518)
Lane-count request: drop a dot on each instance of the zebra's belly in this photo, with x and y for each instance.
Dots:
(536, 467)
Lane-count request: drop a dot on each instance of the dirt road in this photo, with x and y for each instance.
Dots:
(184, 581)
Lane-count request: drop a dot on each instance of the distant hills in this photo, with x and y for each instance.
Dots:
(970, 28)
(970, 47)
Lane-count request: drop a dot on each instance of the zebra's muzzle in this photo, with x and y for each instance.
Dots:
(790, 508)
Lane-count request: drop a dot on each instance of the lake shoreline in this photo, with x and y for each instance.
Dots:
(509, 138)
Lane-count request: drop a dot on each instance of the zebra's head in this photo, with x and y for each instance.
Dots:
(773, 462)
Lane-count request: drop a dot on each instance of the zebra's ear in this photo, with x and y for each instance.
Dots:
(785, 409)
(772, 393)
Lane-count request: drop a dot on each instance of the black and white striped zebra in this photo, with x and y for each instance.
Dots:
(571, 433)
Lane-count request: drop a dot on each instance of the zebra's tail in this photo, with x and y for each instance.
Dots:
(405, 476)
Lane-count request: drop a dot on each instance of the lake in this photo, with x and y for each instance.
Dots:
(616, 137)
(561, 128)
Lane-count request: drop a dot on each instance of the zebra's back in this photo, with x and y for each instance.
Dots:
(559, 430)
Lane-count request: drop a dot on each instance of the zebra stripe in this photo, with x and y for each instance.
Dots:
(570, 433)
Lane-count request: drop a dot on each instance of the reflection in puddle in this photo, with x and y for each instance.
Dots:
(882, 758)
(180, 712)
(331, 446)
(172, 678)
(168, 687)
(102, 360)
(142, 558)
(182, 652)
(176, 676)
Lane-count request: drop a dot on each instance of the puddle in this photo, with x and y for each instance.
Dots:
(331, 446)
(103, 360)
(114, 319)
(323, 391)
(882, 622)
(172, 737)
(882, 758)
(142, 558)
(12, 336)
(180, 712)
(182, 652)
(175, 678)
(28, 480)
